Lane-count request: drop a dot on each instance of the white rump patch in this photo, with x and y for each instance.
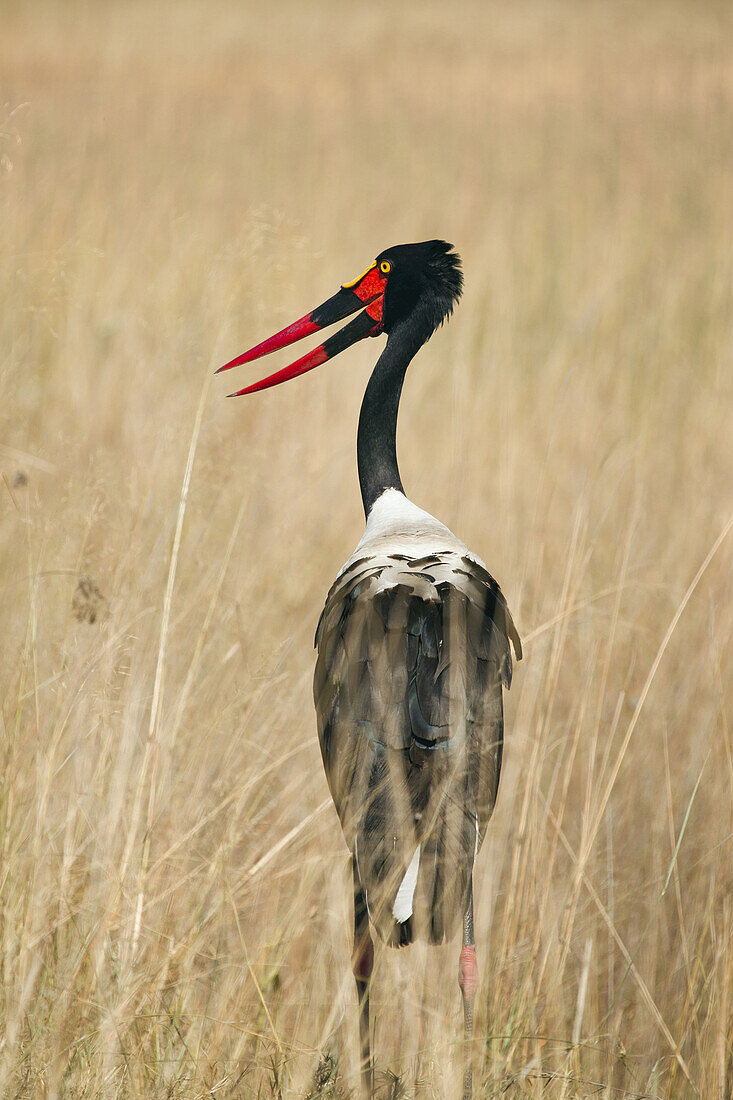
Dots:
(402, 908)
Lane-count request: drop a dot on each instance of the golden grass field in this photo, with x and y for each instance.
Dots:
(177, 180)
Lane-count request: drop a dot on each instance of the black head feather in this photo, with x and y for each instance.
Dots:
(425, 277)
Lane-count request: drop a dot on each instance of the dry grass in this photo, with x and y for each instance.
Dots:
(179, 179)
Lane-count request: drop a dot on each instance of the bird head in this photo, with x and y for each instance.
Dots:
(402, 281)
(425, 277)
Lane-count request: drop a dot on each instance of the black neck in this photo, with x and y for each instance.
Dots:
(376, 446)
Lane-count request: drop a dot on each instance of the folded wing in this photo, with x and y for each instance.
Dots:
(413, 653)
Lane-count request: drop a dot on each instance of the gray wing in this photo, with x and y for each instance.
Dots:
(412, 657)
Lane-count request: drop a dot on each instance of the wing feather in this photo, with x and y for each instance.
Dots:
(412, 656)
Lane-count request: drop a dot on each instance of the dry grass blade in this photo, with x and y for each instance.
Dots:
(643, 988)
(611, 782)
(152, 746)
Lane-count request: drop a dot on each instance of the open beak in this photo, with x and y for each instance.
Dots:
(367, 290)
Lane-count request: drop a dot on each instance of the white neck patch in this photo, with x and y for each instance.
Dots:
(393, 514)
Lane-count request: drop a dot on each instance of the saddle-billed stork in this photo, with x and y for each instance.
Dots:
(413, 651)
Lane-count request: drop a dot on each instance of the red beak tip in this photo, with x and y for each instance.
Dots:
(335, 309)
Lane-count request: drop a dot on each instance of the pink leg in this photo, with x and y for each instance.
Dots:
(468, 980)
(362, 965)
(468, 971)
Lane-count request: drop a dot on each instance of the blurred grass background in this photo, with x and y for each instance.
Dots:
(177, 180)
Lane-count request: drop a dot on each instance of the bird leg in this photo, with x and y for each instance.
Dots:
(362, 964)
(468, 980)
